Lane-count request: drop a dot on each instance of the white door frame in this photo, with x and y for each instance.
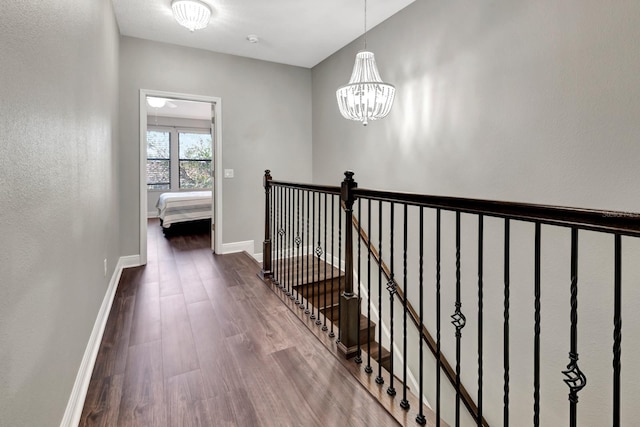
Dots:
(217, 167)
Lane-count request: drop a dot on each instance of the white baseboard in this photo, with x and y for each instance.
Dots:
(75, 404)
(230, 248)
(128, 261)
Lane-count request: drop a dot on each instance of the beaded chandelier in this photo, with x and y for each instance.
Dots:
(366, 97)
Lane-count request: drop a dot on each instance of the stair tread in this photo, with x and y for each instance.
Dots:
(305, 266)
(376, 349)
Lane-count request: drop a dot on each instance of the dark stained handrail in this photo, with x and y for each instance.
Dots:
(624, 223)
(608, 221)
(329, 189)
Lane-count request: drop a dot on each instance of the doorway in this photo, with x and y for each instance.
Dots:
(152, 116)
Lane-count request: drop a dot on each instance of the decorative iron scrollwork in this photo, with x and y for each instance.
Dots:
(281, 232)
(319, 252)
(458, 319)
(576, 380)
(392, 287)
(298, 240)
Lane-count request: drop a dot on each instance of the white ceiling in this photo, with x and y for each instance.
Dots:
(294, 32)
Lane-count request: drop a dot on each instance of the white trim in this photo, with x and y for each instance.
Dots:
(230, 248)
(217, 168)
(72, 414)
(129, 261)
(258, 257)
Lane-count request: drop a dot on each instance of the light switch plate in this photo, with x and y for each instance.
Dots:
(228, 173)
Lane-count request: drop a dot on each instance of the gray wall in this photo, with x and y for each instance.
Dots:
(266, 124)
(520, 101)
(502, 100)
(58, 192)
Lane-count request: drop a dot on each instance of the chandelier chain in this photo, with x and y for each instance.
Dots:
(365, 24)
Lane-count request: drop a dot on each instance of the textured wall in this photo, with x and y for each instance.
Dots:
(266, 124)
(58, 193)
(521, 101)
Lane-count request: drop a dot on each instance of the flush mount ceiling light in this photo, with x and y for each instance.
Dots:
(156, 102)
(192, 14)
(366, 97)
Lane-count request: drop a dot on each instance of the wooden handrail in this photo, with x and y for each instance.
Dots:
(623, 223)
(329, 189)
(426, 335)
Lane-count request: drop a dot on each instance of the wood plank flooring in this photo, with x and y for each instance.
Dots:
(196, 339)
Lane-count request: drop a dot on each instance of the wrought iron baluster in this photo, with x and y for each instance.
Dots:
(420, 418)
(333, 320)
(536, 329)
(617, 329)
(404, 403)
(458, 319)
(280, 233)
(438, 315)
(276, 234)
(294, 245)
(575, 378)
(285, 236)
(480, 314)
(358, 358)
(290, 237)
(307, 257)
(391, 287)
(273, 230)
(313, 301)
(505, 339)
(298, 241)
(282, 278)
(289, 241)
(368, 368)
(320, 254)
(379, 379)
(342, 277)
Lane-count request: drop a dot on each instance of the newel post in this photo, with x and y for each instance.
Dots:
(349, 302)
(266, 245)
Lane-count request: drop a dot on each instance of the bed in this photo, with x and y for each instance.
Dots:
(184, 207)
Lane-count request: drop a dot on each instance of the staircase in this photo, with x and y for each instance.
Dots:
(319, 283)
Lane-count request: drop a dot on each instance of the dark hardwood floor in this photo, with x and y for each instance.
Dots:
(196, 339)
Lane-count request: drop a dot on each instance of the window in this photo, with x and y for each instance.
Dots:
(158, 160)
(195, 160)
(182, 165)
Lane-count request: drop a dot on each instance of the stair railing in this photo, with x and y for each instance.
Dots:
(484, 221)
(449, 372)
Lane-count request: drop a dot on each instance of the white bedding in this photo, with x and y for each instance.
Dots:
(184, 206)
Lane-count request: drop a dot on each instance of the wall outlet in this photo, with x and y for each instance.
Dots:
(105, 267)
(228, 173)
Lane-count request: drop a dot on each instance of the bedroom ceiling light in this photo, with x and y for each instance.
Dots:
(156, 102)
(192, 14)
(366, 97)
